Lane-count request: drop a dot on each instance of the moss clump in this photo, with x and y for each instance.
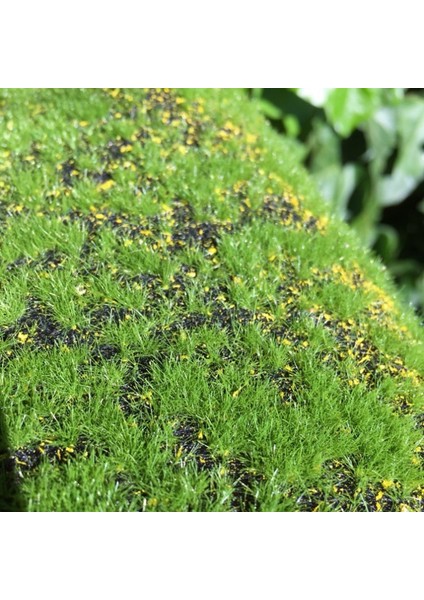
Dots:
(184, 327)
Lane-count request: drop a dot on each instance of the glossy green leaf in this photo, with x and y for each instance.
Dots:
(346, 108)
(408, 171)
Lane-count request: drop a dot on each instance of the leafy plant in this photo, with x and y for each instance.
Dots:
(364, 148)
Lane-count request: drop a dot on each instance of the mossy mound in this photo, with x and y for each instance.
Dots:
(183, 325)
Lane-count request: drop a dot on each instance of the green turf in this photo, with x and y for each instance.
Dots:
(183, 327)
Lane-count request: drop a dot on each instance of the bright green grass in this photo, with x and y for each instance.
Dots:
(182, 325)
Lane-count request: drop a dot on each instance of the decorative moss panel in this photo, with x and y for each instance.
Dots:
(183, 325)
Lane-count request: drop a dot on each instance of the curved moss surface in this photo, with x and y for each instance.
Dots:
(183, 325)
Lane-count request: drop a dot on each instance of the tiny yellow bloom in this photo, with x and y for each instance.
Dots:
(126, 148)
(386, 483)
(106, 185)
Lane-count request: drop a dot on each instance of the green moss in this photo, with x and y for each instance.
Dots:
(183, 325)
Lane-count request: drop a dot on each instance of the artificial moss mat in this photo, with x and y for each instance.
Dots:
(183, 325)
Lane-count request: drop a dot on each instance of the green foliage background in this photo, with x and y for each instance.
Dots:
(365, 149)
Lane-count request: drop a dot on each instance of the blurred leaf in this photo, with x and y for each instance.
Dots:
(290, 103)
(392, 96)
(316, 96)
(408, 274)
(365, 219)
(381, 135)
(365, 149)
(394, 188)
(387, 242)
(291, 126)
(336, 185)
(335, 182)
(346, 108)
(269, 109)
(408, 171)
(324, 146)
(411, 131)
(409, 269)
(256, 93)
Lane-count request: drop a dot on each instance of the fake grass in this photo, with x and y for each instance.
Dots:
(182, 326)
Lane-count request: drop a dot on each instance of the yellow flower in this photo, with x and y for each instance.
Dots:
(106, 185)
(386, 483)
